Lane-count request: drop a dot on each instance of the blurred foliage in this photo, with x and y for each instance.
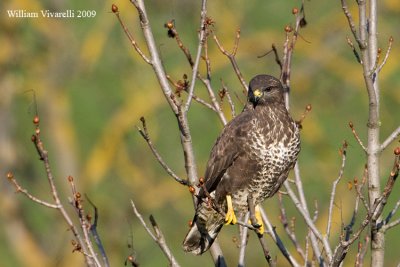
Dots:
(91, 88)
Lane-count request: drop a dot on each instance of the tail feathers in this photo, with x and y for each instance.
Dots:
(206, 225)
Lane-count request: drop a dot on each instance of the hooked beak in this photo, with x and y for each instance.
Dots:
(255, 96)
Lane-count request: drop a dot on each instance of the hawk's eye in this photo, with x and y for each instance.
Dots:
(268, 89)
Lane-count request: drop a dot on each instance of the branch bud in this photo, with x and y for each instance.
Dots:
(201, 180)
(10, 175)
(191, 189)
(36, 120)
(295, 10)
(351, 124)
(114, 8)
(397, 151)
(288, 28)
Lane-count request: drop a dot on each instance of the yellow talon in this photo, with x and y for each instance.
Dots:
(230, 217)
(257, 214)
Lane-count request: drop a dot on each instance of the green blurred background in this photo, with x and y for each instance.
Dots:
(91, 89)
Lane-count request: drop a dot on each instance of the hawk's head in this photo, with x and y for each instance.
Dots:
(264, 89)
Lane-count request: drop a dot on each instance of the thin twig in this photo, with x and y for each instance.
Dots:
(231, 57)
(391, 225)
(154, 54)
(291, 234)
(390, 139)
(146, 137)
(390, 215)
(351, 24)
(387, 54)
(95, 234)
(202, 37)
(277, 59)
(91, 260)
(228, 95)
(356, 54)
(353, 130)
(303, 205)
(158, 237)
(216, 105)
(334, 185)
(372, 215)
(309, 222)
(204, 103)
(129, 35)
(19, 189)
(83, 222)
(274, 235)
(388, 187)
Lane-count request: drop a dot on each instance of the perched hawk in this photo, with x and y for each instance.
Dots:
(248, 163)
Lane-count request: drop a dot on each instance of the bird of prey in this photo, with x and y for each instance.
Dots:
(248, 163)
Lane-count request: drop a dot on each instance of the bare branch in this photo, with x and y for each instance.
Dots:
(309, 221)
(362, 249)
(83, 222)
(381, 202)
(202, 37)
(19, 189)
(204, 103)
(387, 54)
(390, 216)
(291, 234)
(371, 217)
(90, 258)
(173, 33)
(96, 236)
(356, 54)
(334, 185)
(352, 24)
(274, 235)
(146, 137)
(154, 55)
(277, 59)
(353, 130)
(226, 93)
(231, 57)
(158, 236)
(303, 204)
(390, 139)
(129, 35)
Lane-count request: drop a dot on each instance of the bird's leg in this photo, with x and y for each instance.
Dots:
(255, 216)
(230, 217)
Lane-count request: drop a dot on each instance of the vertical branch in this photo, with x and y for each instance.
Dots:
(371, 80)
(155, 57)
(179, 110)
(367, 41)
(202, 37)
(334, 185)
